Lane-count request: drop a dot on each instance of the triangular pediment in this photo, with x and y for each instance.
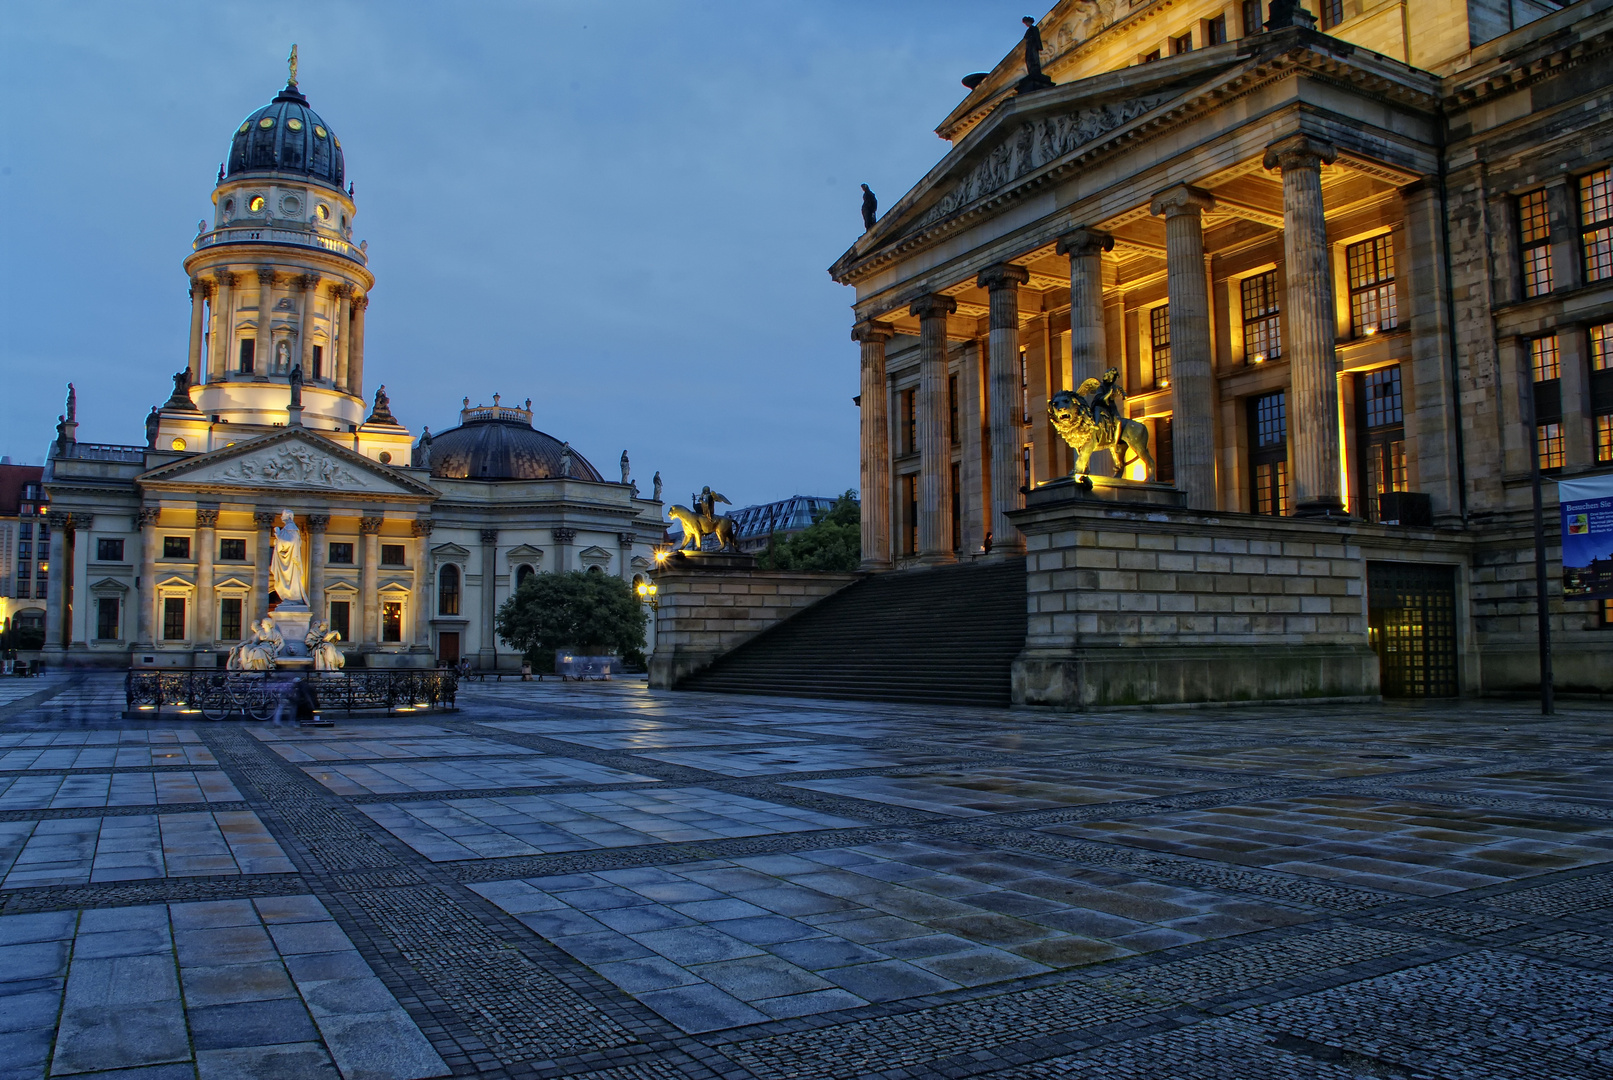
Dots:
(291, 460)
(449, 551)
(106, 585)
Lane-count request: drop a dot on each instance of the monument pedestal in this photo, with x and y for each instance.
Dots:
(292, 621)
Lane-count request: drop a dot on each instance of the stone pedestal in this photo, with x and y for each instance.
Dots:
(1103, 489)
(710, 560)
(292, 621)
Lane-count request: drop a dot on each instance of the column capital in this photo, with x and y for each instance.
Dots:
(1181, 199)
(489, 536)
(370, 526)
(564, 536)
(225, 279)
(264, 519)
(265, 275)
(421, 526)
(200, 288)
(933, 305)
(1300, 152)
(872, 330)
(1001, 276)
(360, 300)
(147, 515)
(78, 519)
(626, 540)
(207, 517)
(318, 523)
(309, 281)
(342, 291)
(1085, 241)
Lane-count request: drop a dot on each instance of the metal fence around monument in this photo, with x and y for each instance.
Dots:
(218, 694)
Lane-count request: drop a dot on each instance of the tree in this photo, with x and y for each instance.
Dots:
(577, 610)
(831, 544)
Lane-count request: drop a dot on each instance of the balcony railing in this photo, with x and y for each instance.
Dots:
(89, 451)
(268, 234)
(216, 693)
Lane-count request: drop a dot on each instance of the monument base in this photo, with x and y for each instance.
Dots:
(292, 621)
(1107, 489)
(710, 560)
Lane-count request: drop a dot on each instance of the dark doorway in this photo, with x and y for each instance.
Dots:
(1411, 615)
(448, 648)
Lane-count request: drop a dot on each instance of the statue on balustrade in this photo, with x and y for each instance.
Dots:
(1092, 418)
(703, 521)
(286, 572)
(321, 642)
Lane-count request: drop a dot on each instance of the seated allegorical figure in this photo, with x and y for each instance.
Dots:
(321, 642)
(257, 652)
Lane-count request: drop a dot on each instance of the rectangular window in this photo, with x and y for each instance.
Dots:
(1534, 241)
(1384, 403)
(232, 549)
(1601, 355)
(1381, 422)
(1604, 439)
(1262, 322)
(1332, 13)
(249, 350)
(1607, 614)
(25, 531)
(1159, 342)
(957, 509)
(1151, 57)
(106, 619)
(1370, 269)
(1268, 453)
(1549, 441)
(176, 547)
(341, 554)
(173, 618)
(952, 408)
(340, 618)
(1545, 360)
(1596, 223)
(910, 421)
(1180, 45)
(318, 363)
(1164, 450)
(1215, 31)
(1253, 17)
(391, 620)
(392, 555)
(1024, 387)
(910, 514)
(229, 619)
(108, 550)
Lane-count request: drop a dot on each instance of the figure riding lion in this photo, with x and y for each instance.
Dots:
(1091, 418)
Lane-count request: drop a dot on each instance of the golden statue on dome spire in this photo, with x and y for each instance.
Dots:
(291, 62)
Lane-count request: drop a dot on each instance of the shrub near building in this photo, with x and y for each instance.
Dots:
(832, 543)
(594, 613)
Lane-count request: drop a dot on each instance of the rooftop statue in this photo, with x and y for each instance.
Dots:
(703, 521)
(1092, 418)
(870, 206)
(1034, 79)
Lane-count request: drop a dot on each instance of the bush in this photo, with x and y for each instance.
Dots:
(593, 612)
(831, 544)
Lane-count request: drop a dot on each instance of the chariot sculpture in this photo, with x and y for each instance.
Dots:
(1092, 418)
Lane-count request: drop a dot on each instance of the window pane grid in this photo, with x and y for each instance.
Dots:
(1601, 339)
(1544, 359)
(1596, 223)
(1371, 273)
(1384, 405)
(1262, 325)
(1604, 439)
(1534, 230)
(1271, 421)
(1271, 488)
(1549, 440)
(1159, 338)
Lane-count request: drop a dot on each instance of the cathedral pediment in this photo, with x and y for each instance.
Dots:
(290, 460)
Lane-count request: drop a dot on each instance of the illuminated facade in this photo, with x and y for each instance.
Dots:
(159, 552)
(1337, 257)
(24, 547)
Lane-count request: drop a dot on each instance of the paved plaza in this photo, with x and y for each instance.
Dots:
(606, 882)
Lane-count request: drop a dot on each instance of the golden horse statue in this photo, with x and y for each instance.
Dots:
(697, 526)
(1090, 419)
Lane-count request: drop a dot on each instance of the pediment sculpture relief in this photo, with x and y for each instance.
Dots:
(1034, 144)
(299, 466)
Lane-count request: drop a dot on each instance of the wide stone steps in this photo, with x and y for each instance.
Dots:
(943, 636)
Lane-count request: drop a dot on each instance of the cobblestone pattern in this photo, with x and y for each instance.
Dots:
(1577, 896)
(1462, 923)
(120, 811)
(161, 890)
(1592, 947)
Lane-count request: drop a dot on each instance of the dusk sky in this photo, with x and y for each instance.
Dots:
(623, 211)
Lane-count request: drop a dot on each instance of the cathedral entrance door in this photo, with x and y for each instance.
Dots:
(1411, 616)
(448, 648)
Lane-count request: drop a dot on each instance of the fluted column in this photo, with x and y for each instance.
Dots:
(355, 361)
(56, 582)
(146, 591)
(625, 542)
(305, 323)
(562, 548)
(318, 554)
(369, 581)
(1313, 400)
(265, 521)
(202, 633)
(1089, 345)
(344, 334)
(265, 346)
(223, 328)
(935, 448)
(1006, 413)
(876, 444)
(198, 324)
(421, 527)
(1192, 380)
(487, 655)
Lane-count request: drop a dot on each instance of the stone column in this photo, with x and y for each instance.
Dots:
(146, 587)
(223, 330)
(202, 633)
(355, 360)
(198, 324)
(305, 323)
(318, 554)
(1432, 416)
(344, 334)
(1310, 326)
(876, 445)
(562, 548)
(56, 581)
(1006, 416)
(421, 527)
(1192, 380)
(935, 448)
(265, 522)
(369, 581)
(625, 542)
(487, 655)
(1089, 346)
(265, 345)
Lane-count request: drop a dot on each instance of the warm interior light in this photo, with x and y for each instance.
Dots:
(1371, 330)
(178, 444)
(1258, 358)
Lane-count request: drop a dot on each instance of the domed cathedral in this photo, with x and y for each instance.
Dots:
(160, 553)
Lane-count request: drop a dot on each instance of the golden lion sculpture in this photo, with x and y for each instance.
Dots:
(1089, 419)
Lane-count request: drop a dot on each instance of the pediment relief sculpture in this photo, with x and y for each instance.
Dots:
(299, 466)
(1034, 144)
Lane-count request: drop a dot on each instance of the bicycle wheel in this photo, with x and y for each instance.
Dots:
(216, 704)
(260, 704)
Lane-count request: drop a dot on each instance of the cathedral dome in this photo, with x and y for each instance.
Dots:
(286, 136)
(499, 443)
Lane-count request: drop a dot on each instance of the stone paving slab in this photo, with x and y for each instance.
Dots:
(1004, 789)
(74, 851)
(336, 749)
(768, 760)
(57, 792)
(397, 779)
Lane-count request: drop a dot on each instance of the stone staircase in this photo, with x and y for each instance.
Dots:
(946, 636)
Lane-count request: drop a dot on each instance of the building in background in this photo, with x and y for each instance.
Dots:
(24, 544)
(754, 525)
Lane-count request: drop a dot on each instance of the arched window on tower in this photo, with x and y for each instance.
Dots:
(522, 572)
(448, 590)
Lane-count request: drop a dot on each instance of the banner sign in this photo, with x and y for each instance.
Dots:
(1587, 509)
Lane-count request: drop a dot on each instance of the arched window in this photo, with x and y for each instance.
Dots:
(448, 590)
(522, 572)
(595, 570)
